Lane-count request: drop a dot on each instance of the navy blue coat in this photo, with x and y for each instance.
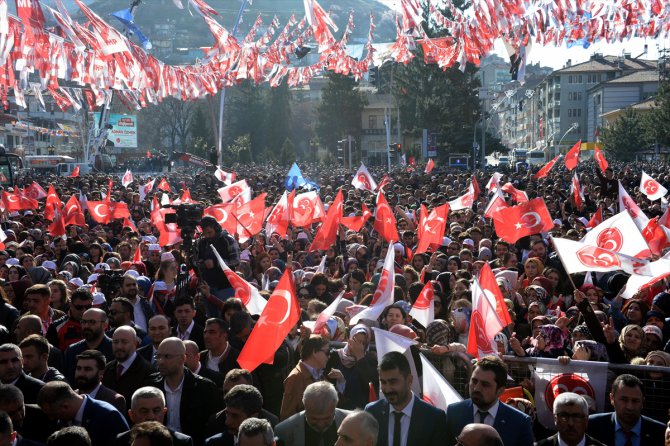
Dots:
(601, 427)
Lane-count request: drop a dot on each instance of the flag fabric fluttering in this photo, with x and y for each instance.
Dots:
(651, 188)
(544, 171)
(383, 296)
(572, 157)
(484, 324)
(363, 180)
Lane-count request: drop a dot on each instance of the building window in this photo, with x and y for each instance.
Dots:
(570, 79)
(569, 113)
(579, 112)
(372, 122)
(580, 79)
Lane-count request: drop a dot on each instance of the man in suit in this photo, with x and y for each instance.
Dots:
(477, 434)
(310, 369)
(35, 353)
(487, 383)
(242, 402)
(255, 432)
(159, 329)
(30, 324)
(128, 371)
(626, 426)
(318, 423)
(148, 404)
(142, 311)
(571, 415)
(186, 329)
(121, 315)
(193, 363)
(8, 436)
(359, 428)
(11, 372)
(27, 419)
(191, 399)
(88, 376)
(220, 356)
(403, 418)
(93, 325)
(101, 420)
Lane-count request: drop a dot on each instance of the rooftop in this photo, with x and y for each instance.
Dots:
(601, 63)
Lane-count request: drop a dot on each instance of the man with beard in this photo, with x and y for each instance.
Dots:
(159, 329)
(88, 377)
(142, 311)
(128, 371)
(28, 419)
(487, 383)
(121, 315)
(94, 324)
(403, 418)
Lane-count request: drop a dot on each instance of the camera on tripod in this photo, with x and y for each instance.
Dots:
(187, 216)
(110, 283)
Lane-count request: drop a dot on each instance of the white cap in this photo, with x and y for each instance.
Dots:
(149, 239)
(132, 273)
(48, 264)
(446, 241)
(558, 222)
(76, 281)
(154, 247)
(102, 267)
(399, 247)
(12, 261)
(469, 242)
(92, 278)
(167, 256)
(99, 298)
(159, 285)
(583, 221)
(28, 212)
(303, 236)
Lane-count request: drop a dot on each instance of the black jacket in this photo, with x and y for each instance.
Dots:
(178, 439)
(196, 335)
(134, 378)
(30, 387)
(226, 364)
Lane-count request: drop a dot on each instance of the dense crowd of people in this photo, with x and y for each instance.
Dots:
(104, 329)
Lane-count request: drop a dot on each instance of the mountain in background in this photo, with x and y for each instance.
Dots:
(187, 29)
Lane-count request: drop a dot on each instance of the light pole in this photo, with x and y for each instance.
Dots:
(222, 102)
(574, 126)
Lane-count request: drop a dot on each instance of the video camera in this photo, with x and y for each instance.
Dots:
(110, 283)
(187, 216)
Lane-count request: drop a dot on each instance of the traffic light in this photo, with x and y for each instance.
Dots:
(398, 147)
(52, 150)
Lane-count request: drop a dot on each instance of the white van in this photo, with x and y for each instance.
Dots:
(65, 169)
(503, 161)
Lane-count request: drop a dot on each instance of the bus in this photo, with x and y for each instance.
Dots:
(10, 165)
(536, 157)
(59, 164)
(519, 156)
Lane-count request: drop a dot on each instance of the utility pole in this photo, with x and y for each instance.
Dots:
(349, 140)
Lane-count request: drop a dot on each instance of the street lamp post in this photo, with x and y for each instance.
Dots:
(574, 126)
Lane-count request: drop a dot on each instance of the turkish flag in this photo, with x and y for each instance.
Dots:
(488, 283)
(100, 211)
(495, 204)
(327, 232)
(600, 158)
(137, 257)
(164, 186)
(651, 188)
(596, 219)
(119, 210)
(385, 181)
(436, 389)
(430, 165)
(249, 295)
(74, 213)
(355, 223)
(18, 202)
(528, 218)
(278, 219)
(224, 214)
(363, 180)
(577, 193)
(383, 296)
(128, 223)
(57, 228)
(75, 172)
(423, 309)
(279, 316)
(385, 223)
(127, 178)
(484, 324)
(465, 201)
(53, 204)
(572, 157)
(656, 236)
(517, 195)
(432, 228)
(304, 208)
(475, 187)
(186, 198)
(492, 185)
(250, 218)
(544, 171)
(35, 191)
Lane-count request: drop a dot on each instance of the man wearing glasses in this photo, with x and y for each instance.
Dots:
(311, 368)
(93, 325)
(67, 330)
(571, 415)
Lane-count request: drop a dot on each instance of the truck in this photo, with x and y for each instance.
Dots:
(536, 157)
(59, 164)
(519, 156)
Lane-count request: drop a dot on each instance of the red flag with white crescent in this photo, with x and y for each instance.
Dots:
(528, 218)
(355, 223)
(432, 228)
(572, 157)
(596, 219)
(430, 165)
(423, 309)
(488, 283)
(75, 172)
(327, 233)
(656, 236)
(250, 218)
(385, 222)
(517, 195)
(18, 202)
(57, 228)
(279, 316)
(278, 219)
(224, 214)
(74, 213)
(577, 192)
(484, 324)
(100, 211)
(248, 294)
(127, 178)
(495, 204)
(544, 171)
(164, 186)
(600, 158)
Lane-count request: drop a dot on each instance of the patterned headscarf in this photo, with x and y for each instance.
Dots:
(438, 332)
(554, 337)
(541, 292)
(598, 350)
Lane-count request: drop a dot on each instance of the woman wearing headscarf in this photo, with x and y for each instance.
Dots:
(627, 346)
(657, 384)
(549, 343)
(455, 365)
(359, 367)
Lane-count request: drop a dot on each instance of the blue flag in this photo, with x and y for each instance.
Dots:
(294, 178)
(126, 17)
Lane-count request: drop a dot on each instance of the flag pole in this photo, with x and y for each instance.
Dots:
(574, 287)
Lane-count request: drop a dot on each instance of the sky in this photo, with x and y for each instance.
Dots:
(556, 57)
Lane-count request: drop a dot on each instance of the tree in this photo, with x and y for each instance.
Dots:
(199, 127)
(278, 116)
(239, 151)
(625, 136)
(657, 122)
(287, 153)
(246, 105)
(167, 124)
(339, 113)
